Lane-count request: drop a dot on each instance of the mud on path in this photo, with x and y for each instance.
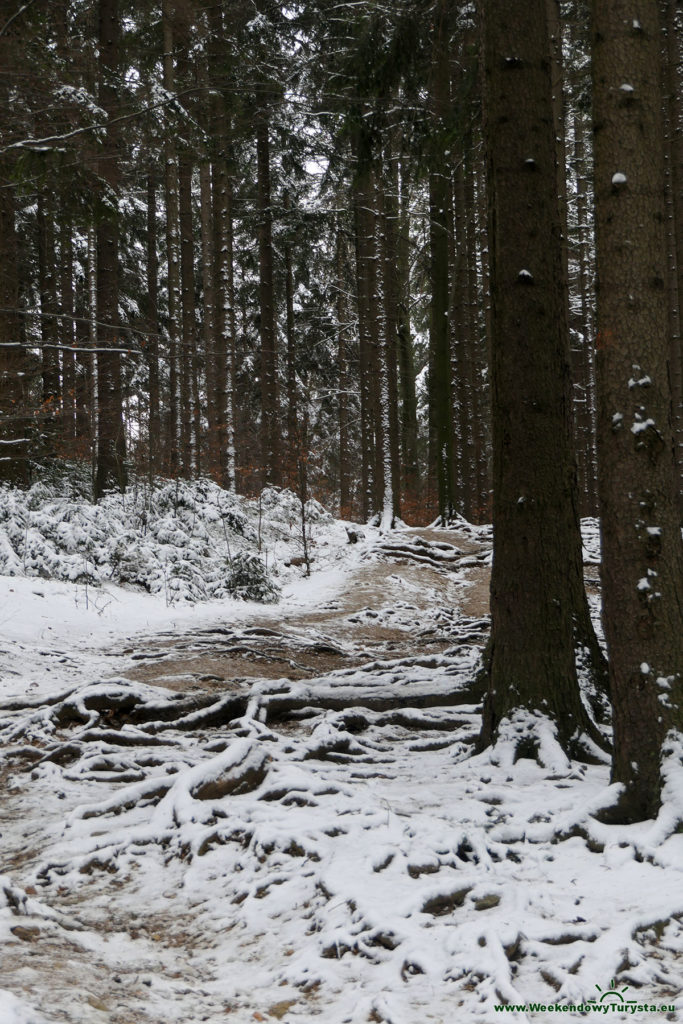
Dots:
(95, 941)
(415, 593)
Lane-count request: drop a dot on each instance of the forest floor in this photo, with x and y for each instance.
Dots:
(236, 812)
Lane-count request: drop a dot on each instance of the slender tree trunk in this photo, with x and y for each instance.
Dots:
(67, 334)
(83, 376)
(93, 364)
(111, 446)
(461, 362)
(360, 200)
(388, 203)
(376, 360)
(14, 426)
(189, 442)
(152, 320)
(344, 379)
(406, 366)
(270, 426)
(642, 553)
(189, 415)
(225, 316)
(439, 333)
(209, 317)
(47, 259)
(292, 414)
(476, 470)
(171, 196)
(484, 315)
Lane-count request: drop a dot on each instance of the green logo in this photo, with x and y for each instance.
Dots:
(612, 996)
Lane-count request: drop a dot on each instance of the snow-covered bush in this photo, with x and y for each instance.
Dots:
(249, 579)
(186, 540)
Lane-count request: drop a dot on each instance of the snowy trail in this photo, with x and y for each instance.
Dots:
(386, 605)
(266, 846)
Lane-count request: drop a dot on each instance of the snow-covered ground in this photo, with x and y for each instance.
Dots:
(265, 846)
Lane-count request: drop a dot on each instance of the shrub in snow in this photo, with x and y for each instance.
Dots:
(175, 540)
(285, 505)
(249, 579)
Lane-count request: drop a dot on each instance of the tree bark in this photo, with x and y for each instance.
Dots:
(406, 363)
(67, 331)
(360, 202)
(344, 378)
(189, 439)
(537, 599)
(642, 567)
(439, 333)
(171, 197)
(293, 440)
(673, 21)
(270, 427)
(152, 321)
(111, 439)
(47, 259)
(14, 426)
(388, 203)
(209, 314)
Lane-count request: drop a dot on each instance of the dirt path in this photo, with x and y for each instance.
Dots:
(415, 593)
(440, 576)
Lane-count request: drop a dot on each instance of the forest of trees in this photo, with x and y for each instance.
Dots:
(239, 237)
(420, 257)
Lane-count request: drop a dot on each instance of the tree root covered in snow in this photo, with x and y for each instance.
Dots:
(353, 816)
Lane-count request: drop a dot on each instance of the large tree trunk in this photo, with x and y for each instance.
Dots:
(584, 403)
(537, 597)
(674, 88)
(111, 439)
(642, 568)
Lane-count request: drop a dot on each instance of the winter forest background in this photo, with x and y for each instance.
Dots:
(238, 238)
(369, 313)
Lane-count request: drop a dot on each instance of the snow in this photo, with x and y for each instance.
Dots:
(641, 425)
(618, 178)
(331, 862)
(15, 1011)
